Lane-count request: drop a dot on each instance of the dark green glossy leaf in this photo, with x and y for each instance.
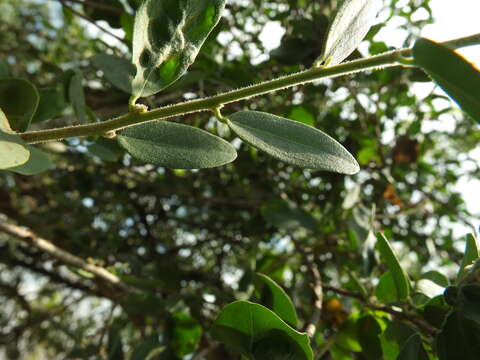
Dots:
(437, 277)
(454, 74)
(167, 37)
(292, 142)
(350, 24)
(368, 332)
(413, 349)
(13, 150)
(394, 338)
(276, 299)
(76, 96)
(469, 302)
(52, 103)
(286, 216)
(37, 163)
(247, 327)
(18, 100)
(114, 344)
(459, 338)
(402, 283)
(347, 336)
(118, 71)
(471, 254)
(176, 146)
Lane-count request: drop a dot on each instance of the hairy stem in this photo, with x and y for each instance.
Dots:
(388, 59)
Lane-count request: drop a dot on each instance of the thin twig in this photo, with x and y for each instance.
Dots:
(28, 237)
(90, 20)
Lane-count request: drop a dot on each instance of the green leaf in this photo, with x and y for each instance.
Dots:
(471, 254)
(301, 114)
(350, 24)
(52, 103)
(459, 338)
(413, 349)
(347, 337)
(114, 344)
(176, 146)
(402, 283)
(469, 302)
(454, 74)
(76, 96)
(148, 349)
(368, 332)
(13, 150)
(167, 37)
(106, 150)
(292, 142)
(258, 332)
(4, 69)
(18, 100)
(394, 338)
(284, 215)
(37, 163)
(118, 71)
(186, 334)
(276, 299)
(386, 291)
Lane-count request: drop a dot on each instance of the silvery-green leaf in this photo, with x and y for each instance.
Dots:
(177, 146)
(13, 151)
(118, 71)
(37, 163)
(350, 24)
(19, 100)
(292, 142)
(167, 37)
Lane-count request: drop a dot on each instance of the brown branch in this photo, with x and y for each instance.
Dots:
(29, 238)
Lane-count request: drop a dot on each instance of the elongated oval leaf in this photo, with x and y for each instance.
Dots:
(350, 24)
(13, 151)
(251, 328)
(118, 71)
(52, 103)
(167, 37)
(413, 349)
(453, 73)
(277, 300)
(402, 283)
(471, 254)
(37, 163)
(292, 142)
(76, 96)
(176, 146)
(18, 100)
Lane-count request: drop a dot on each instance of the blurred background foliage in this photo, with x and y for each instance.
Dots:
(192, 240)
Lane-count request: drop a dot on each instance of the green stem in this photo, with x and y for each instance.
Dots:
(384, 60)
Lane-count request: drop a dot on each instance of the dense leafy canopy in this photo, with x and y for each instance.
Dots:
(127, 255)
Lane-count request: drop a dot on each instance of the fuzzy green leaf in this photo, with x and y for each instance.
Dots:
(292, 142)
(167, 37)
(176, 146)
(454, 74)
(13, 150)
(402, 283)
(76, 96)
(276, 299)
(52, 103)
(118, 71)
(350, 24)
(259, 333)
(18, 100)
(37, 163)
